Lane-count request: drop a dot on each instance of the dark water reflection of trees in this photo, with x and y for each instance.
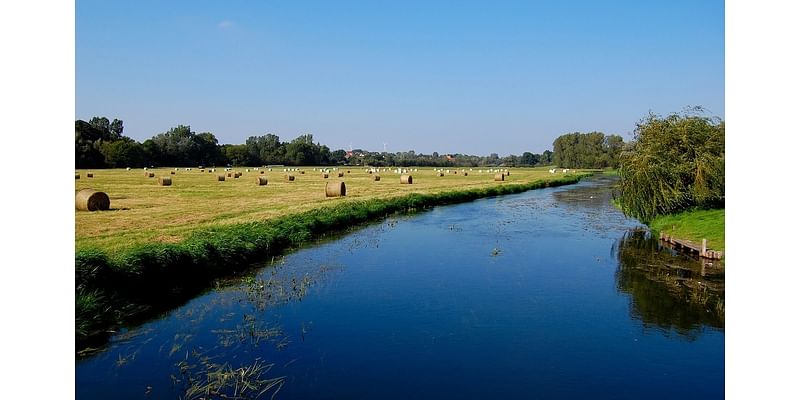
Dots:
(669, 292)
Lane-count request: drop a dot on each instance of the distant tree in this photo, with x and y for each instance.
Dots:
(547, 158)
(115, 129)
(152, 153)
(236, 154)
(207, 149)
(92, 137)
(87, 153)
(265, 150)
(586, 150)
(303, 151)
(509, 161)
(529, 159)
(614, 145)
(673, 163)
(180, 146)
(101, 123)
(338, 157)
(121, 153)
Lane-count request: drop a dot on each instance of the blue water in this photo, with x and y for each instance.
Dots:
(521, 296)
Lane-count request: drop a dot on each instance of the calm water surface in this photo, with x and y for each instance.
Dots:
(546, 294)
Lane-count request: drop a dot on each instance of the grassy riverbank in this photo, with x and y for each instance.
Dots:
(694, 225)
(117, 285)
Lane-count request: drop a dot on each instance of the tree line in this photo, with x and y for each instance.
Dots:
(587, 150)
(100, 143)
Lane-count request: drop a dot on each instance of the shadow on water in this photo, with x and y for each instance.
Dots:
(671, 292)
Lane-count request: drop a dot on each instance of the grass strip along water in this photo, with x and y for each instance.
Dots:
(694, 225)
(119, 289)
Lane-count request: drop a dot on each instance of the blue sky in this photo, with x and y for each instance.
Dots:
(448, 76)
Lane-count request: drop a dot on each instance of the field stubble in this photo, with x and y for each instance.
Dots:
(144, 212)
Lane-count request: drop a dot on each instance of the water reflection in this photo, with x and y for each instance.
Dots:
(669, 292)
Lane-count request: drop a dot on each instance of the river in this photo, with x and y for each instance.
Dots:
(551, 293)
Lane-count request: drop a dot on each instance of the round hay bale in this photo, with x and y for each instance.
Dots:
(238, 174)
(172, 172)
(324, 176)
(335, 189)
(151, 174)
(499, 177)
(165, 180)
(221, 178)
(91, 200)
(202, 170)
(261, 180)
(262, 172)
(466, 173)
(348, 171)
(508, 173)
(230, 175)
(376, 177)
(340, 174)
(77, 176)
(440, 173)
(89, 175)
(289, 178)
(302, 172)
(406, 179)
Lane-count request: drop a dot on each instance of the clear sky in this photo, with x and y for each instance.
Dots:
(448, 76)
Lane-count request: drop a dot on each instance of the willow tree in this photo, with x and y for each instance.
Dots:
(673, 163)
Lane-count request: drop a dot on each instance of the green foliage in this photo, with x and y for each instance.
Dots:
(99, 143)
(265, 150)
(236, 154)
(673, 163)
(181, 147)
(587, 150)
(122, 153)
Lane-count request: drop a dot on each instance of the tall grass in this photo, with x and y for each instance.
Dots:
(111, 289)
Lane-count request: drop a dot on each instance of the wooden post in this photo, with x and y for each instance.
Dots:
(703, 250)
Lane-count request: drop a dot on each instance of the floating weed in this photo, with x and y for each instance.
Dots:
(124, 360)
(205, 379)
(251, 331)
(175, 348)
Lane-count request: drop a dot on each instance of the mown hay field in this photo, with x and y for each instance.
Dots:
(142, 211)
